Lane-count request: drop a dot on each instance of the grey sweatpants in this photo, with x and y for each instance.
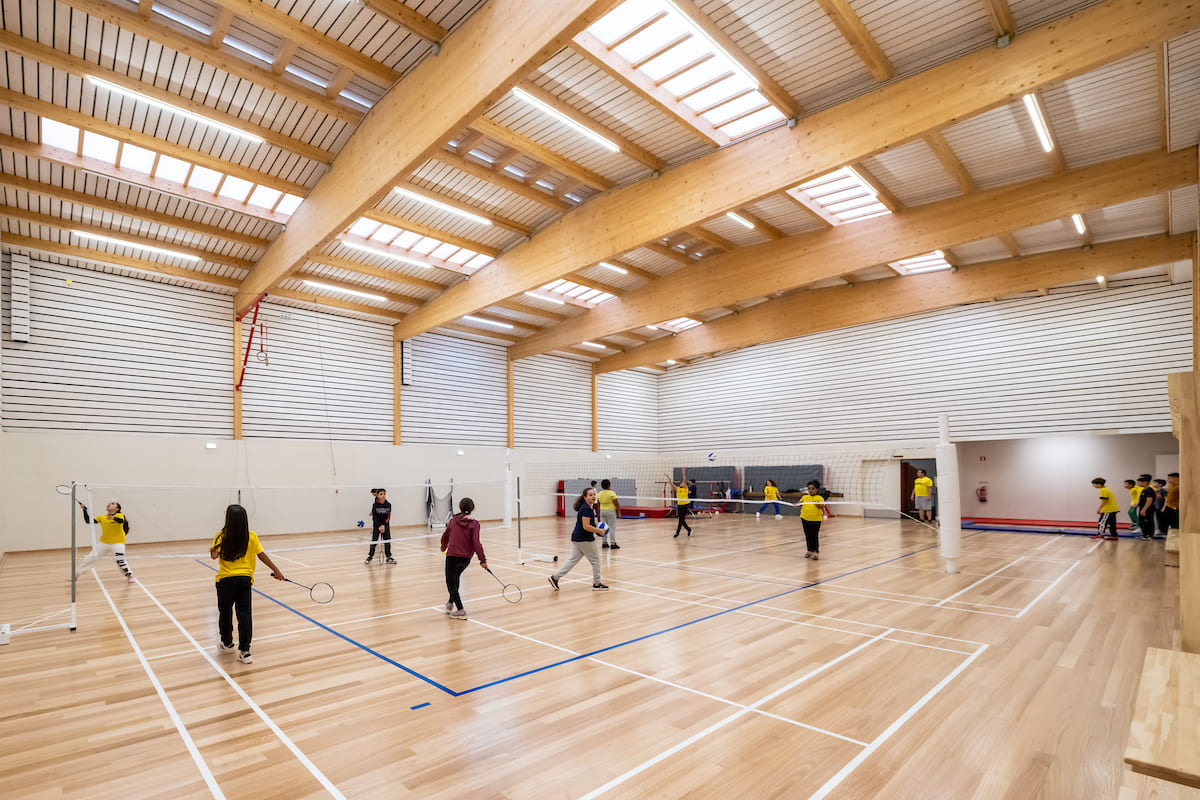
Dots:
(578, 551)
(609, 518)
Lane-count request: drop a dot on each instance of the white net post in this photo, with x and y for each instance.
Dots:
(508, 496)
(949, 501)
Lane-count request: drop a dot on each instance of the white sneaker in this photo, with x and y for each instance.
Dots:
(449, 607)
(225, 648)
(245, 657)
(458, 614)
(131, 579)
(779, 516)
(757, 514)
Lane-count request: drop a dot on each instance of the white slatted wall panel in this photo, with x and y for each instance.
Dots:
(327, 377)
(1067, 363)
(112, 353)
(552, 403)
(628, 411)
(459, 393)
(18, 297)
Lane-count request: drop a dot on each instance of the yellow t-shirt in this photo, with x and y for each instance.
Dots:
(1135, 494)
(921, 486)
(771, 493)
(112, 528)
(1108, 501)
(242, 566)
(810, 510)
(606, 499)
(681, 496)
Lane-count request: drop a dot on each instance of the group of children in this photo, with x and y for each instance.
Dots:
(1153, 507)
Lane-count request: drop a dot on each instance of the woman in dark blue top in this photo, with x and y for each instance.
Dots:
(583, 540)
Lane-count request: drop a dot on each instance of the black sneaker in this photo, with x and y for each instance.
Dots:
(554, 582)
(604, 546)
(390, 560)
(368, 561)
(599, 587)
(615, 546)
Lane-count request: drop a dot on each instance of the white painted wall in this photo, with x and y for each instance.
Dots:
(1050, 478)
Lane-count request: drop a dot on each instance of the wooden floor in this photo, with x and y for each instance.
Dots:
(723, 665)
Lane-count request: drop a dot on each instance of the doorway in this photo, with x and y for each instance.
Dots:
(908, 474)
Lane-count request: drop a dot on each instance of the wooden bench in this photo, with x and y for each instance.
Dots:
(1164, 735)
(1172, 551)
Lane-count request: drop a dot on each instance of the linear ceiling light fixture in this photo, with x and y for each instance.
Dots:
(420, 198)
(594, 346)
(614, 267)
(526, 97)
(122, 243)
(483, 321)
(327, 287)
(375, 251)
(1039, 122)
(740, 220)
(112, 87)
(554, 300)
(1080, 228)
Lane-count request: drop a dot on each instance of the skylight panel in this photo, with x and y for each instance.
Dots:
(204, 179)
(385, 233)
(406, 239)
(175, 16)
(264, 197)
(714, 94)
(305, 75)
(462, 256)
(652, 39)
(137, 158)
(356, 99)
(479, 261)
(444, 251)
(576, 293)
(57, 134)
(696, 77)
(288, 204)
(623, 19)
(842, 194)
(930, 262)
(425, 246)
(364, 227)
(680, 324)
(100, 147)
(172, 169)
(235, 188)
(679, 56)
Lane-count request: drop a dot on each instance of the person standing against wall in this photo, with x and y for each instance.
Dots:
(1145, 506)
(922, 496)
(1106, 526)
(610, 509)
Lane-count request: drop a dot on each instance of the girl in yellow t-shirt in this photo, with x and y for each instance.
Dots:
(682, 501)
(770, 498)
(113, 527)
(812, 511)
(236, 547)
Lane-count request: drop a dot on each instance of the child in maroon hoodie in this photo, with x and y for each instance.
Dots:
(459, 542)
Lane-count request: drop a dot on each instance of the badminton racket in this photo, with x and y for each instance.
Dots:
(511, 592)
(319, 592)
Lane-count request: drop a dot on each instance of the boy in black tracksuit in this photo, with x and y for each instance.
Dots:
(381, 519)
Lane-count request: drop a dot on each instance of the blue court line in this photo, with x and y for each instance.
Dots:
(414, 708)
(359, 645)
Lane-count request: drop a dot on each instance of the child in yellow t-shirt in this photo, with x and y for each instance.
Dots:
(610, 509)
(236, 547)
(770, 498)
(812, 511)
(1135, 493)
(113, 527)
(1106, 527)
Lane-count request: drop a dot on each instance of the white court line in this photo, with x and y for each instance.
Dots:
(676, 685)
(845, 771)
(41, 619)
(270, 723)
(911, 603)
(294, 561)
(1052, 541)
(617, 781)
(1093, 547)
(922, 597)
(981, 580)
(1046, 591)
(162, 695)
(1010, 555)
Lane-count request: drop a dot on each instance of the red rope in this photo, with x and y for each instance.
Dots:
(249, 342)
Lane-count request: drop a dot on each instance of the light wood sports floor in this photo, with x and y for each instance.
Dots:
(723, 665)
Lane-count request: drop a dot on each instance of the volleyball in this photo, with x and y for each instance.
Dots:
(712, 456)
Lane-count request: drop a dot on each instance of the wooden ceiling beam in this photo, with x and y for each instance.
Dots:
(498, 336)
(409, 18)
(145, 265)
(193, 47)
(373, 271)
(128, 210)
(810, 205)
(950, 160)
(802, 260)
(391, 297)
(849, 132)
(1001, 16)
(53, 57)
(842, 15)
(637, 272)
(639, 83)
(1010, 243)
(49, 220)
(1164, 101)
(760, 225)
(516, 325)
(283, 56)
(676, 255)
(425, 230)
(41, 108)
(95, 166)
(285, 26)
(220, 27)
(334, 302)
(491, 51)
(889, 200)
(518, 305)
(767, 85)
(467, 143)
(339, 81)
(811, 311)
(705, 235)
(486, 173)
(628, 147)
(545, 155)
(592, 283)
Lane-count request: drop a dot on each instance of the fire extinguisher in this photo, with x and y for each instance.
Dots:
(981, 494)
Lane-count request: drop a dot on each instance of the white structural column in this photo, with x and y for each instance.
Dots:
(949, 502)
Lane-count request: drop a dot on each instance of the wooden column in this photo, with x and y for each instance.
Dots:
(397, 386)
(1185, 416)
(511, 427)
(595, 417)
(237, 371)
